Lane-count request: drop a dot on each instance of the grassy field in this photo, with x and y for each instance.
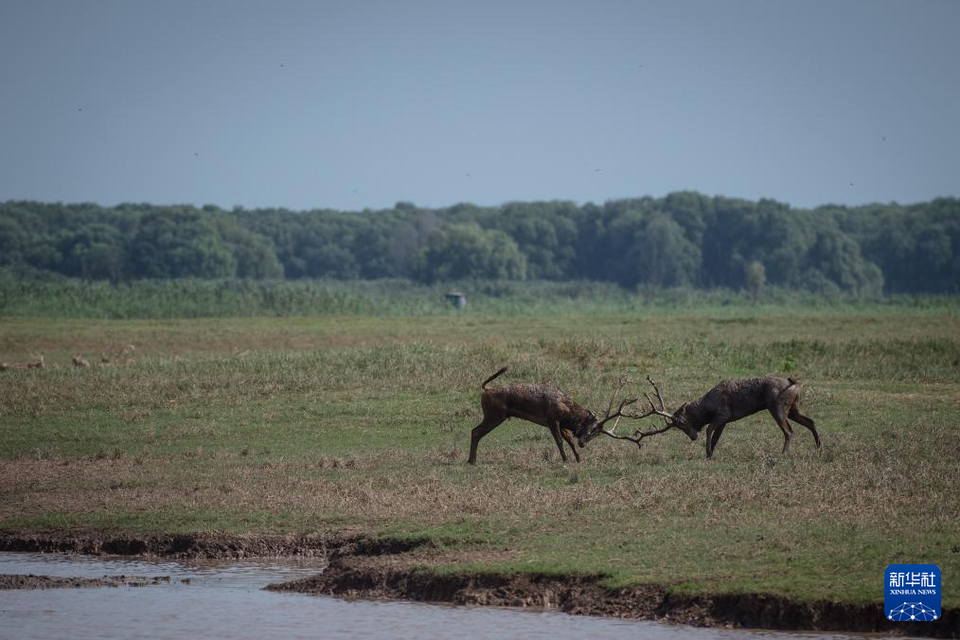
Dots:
(303, 424)
(176, 299)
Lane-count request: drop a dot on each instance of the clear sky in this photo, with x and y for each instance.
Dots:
(363, 103)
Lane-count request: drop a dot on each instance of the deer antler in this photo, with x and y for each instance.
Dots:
(619, 413)
(662, 411)
(638, 435)
(624, 381)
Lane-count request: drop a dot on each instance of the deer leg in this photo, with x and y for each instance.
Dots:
(781, 420)
(798, 417)
(555, 432)
(708, 438)
(489, 424)
(569, 441)
(713, 437)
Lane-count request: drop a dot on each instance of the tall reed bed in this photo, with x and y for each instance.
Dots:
(163, 299)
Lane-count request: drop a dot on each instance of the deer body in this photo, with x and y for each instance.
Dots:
(23, 365)
(539, 404)
(732, 400)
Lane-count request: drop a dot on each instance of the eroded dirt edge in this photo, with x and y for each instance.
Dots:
(360, 566)
(30, 581)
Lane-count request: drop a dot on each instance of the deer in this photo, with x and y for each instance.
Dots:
(39, 364)
(730, 401)
(119, 356)
(79, 361)
(550, 408)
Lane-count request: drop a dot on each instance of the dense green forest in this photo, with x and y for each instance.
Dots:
(685, 239)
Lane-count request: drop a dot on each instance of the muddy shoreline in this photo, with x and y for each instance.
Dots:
(30, 581)
(363, 567)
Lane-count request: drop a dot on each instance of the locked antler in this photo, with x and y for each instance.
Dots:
(608, 416)
(638, 435)
(662, 411)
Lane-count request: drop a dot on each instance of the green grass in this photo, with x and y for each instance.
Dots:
(317, 423)
(173, 299)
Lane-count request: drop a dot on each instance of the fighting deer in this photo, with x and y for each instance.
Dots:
(732, 400)
(545, 406)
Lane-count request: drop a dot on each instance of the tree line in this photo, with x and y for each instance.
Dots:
(683, 239)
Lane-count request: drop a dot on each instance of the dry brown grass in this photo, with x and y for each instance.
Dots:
(216, 435)
(852, 482)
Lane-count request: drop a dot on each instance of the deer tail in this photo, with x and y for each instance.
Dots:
(496, 375)
(792, 390)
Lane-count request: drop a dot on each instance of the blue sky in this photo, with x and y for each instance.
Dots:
(362, 104)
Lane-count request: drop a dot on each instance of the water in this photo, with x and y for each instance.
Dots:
(226, 600)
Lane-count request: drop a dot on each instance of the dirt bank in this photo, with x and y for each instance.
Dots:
(212, 545)
(371, 577)
(51, 582)
(365, 567)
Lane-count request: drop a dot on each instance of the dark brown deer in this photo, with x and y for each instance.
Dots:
(732, 400)
(541, 405)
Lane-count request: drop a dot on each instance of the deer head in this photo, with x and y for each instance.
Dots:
(682, 420)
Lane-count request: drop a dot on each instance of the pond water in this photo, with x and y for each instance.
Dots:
(226, 600)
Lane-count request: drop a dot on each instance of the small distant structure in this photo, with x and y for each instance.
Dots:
(456, 298)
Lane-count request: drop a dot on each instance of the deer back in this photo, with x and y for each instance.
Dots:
(537, 403)
(734, 399)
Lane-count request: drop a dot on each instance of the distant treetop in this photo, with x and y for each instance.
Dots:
(683, 239)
